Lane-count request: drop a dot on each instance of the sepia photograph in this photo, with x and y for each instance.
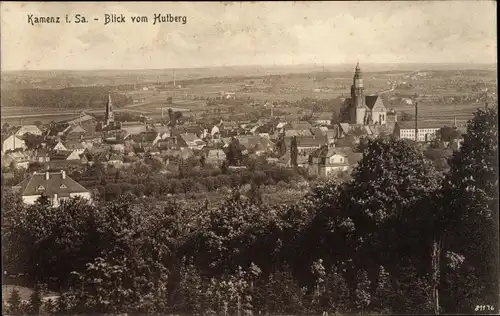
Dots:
(249, 158)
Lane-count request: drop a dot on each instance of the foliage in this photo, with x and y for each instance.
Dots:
(74, 97)
(396, 238)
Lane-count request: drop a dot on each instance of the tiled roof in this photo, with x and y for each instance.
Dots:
(300, 125)
(307, 141)
(73, 145)
(190, 137)
(60, 155)
(33, 129)
(345, 127)
(294, 132)
(38, 183)
(317, 131)
(250, 142)
(77, 129)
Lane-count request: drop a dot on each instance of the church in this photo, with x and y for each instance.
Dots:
(360, 109)
(109, 123)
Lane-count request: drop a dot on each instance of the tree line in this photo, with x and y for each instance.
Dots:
(75, 97)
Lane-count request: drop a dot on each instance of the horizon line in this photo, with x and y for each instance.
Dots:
(259, 66)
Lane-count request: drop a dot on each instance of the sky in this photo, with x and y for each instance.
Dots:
(248, 33)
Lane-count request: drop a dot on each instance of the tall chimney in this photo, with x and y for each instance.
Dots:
(416, 120)
(47, 175)
(63, 174)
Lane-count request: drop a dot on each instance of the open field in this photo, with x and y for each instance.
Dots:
(443, 94)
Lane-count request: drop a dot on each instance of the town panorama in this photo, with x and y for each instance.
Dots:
(356, 187)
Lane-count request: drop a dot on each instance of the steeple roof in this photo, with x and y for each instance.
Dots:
(357, 73)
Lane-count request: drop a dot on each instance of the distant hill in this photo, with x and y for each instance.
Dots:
(53, 79)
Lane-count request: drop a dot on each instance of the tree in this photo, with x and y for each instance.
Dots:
(362, 296)
(171, 116)
(14, 302)
(470, 209)
(5, 127)
(281, 145)
(393, 201)
(35, 301)
(234, 153)
(449, 134)
(293, 152)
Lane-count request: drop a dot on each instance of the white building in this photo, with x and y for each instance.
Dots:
(57, 186)
(12, 143)
(426, 131)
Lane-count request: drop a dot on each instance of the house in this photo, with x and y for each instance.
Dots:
(300, 126)
(325, 162)
(19, 159)
(191, 141)
(13, 142)
(57, 130)
(31, 129)
(229, 125)
(118, 148)
(215, 131)
(215, 156)
(145, 139)
(168, 143)
(42, 155)
(299, 132)
(286, 160)
(229, 95)
(331, 136)
(323, 118)
(307, 144)
(255, 144)
(57, 186)
(426, 131)
(115, 160)
(75, 132)
(59, 146)
(75, 146)
(64, 155)
(316, 131)
(163, 132)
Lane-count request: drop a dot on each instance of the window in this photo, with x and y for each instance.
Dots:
(41, 188)
(63, 186)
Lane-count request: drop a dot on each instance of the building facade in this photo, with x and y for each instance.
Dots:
(426, 131)
(56, 186)
(360, 109)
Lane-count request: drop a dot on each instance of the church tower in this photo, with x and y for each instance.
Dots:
(357, 97)
(109, 118)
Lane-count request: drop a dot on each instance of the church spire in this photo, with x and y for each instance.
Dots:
(109, 111)
(357, 73)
